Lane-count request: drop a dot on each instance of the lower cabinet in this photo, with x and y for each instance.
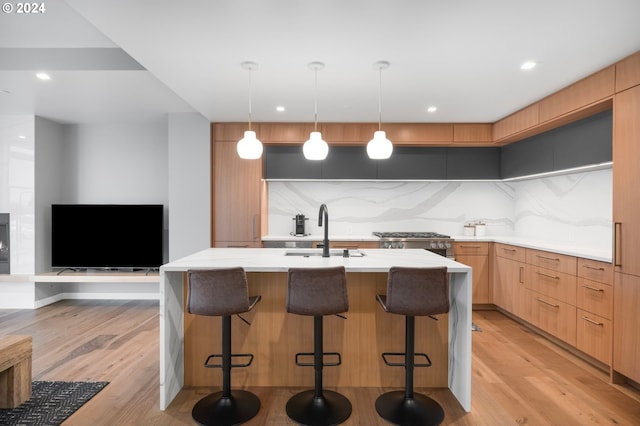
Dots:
(572, 299)
(509, 276)
(626, 328)
(476, 255)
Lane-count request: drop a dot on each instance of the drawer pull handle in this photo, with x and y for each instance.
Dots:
(548, 276)
(593, 322)
(507, 249)
(547, 303)
(588, 287)
(466, 246)
(555, 259)
(595, 269)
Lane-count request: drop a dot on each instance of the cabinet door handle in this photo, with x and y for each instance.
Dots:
(255, 227)
(592, 321)
(508, 249)
(588, 287)
(238, 246)
(466, 246)
(522, 275)
(547, 303)
(548, 276)
(617, 247)
(555, 259)
(593, 268)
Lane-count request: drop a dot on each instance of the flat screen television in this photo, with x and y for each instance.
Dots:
(106, 236)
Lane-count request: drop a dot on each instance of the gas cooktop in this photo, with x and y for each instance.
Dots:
(423, 235)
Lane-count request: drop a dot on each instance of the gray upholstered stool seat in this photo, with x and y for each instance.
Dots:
(222, 292)
(317, 292)
(412, 292)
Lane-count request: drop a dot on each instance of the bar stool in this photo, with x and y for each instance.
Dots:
(412, 292)
(222, 292)
(318, 292)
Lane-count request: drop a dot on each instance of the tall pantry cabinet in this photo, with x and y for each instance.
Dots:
(626, 217)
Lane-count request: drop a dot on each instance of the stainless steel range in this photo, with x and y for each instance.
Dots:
(437, 243)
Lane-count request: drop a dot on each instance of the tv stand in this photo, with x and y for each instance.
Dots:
(29, 291)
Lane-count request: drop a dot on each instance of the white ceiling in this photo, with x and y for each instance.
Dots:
(461, 55)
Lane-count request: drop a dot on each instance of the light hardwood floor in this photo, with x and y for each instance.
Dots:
(518, 377)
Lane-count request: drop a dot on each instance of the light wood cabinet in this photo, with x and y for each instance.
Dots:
(237, 187)
(551, 315)
(476, 255)
(509, 279)
(551, 283)
(553, 261)
(594, 301)
(628, 72)
(584, 92)
(472, 134)
(626, 175)
(626, 326)
(517, 122)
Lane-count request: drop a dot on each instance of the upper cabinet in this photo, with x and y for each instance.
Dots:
(515, 123)
(628, 72)
(587, 91)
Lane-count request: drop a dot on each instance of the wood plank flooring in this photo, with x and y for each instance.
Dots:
(518, 376)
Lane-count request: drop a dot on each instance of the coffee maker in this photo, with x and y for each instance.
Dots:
(299, 225)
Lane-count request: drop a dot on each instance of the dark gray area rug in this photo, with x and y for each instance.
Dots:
(51, 403)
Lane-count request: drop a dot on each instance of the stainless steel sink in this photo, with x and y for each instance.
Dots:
(332, 252)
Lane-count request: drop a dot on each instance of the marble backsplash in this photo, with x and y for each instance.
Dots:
(571, 209)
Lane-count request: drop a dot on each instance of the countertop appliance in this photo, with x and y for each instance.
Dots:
(432, 241)
(299, 225)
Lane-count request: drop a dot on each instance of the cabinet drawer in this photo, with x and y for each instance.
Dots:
(553, 316)
(510, 252)
(471, 248)
(594, 335)
(552, 283)
(554, 261)
(594, 297)
(595, 271)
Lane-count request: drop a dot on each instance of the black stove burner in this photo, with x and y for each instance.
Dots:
(409, 235)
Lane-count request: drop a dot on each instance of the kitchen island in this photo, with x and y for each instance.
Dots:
(275, 336)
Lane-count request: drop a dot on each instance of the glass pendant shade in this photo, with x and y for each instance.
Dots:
(249, 147)
(315, 148)
(379, 148)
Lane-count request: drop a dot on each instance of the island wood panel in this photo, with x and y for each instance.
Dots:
(628, 72)
(589, 90)
(626, 326)
(275, 336)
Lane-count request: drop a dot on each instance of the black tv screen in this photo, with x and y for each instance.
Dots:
(106, 236)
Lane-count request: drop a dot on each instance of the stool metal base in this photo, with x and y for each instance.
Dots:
(218, 410)
(329, 409)
(398, 410)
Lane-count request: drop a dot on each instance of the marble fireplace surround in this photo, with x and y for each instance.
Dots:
(573, 208)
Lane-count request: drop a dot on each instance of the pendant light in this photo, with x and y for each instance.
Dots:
(380, 148)
(249, 147)
(315, 148)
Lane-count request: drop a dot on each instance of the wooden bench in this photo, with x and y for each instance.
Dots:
(15, 370)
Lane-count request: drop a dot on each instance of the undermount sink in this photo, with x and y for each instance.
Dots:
(332, 252)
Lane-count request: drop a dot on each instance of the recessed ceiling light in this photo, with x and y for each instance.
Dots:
(432, 109)
(528, 65)
(280, 108)
(22, 137)
(43, 76)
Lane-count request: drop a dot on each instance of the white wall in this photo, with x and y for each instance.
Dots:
(189, 184)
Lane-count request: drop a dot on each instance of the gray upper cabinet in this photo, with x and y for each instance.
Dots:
(348, 162)
(473, 163)
(288, 162)
(414, 163)
(585, 142)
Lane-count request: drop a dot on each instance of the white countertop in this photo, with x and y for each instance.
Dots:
(274, 260)
(603, 255)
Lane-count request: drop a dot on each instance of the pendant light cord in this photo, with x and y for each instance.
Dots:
(315, 107)
(380, 99)
(250, 90)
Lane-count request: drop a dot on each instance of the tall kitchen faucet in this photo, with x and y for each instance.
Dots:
(325, 243)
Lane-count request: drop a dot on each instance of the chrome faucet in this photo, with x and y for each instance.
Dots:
(325, 243)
